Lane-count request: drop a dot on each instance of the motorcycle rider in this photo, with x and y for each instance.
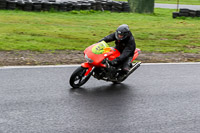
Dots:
(125, 44)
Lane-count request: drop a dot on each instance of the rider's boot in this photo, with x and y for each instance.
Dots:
(123, 73)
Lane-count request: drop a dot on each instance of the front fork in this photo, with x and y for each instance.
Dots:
(88, 66)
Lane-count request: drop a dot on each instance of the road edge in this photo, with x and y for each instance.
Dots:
(76, 65)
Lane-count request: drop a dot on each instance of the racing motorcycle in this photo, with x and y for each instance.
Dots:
(98, 57)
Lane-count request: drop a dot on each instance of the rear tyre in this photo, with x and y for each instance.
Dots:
(78, 77)
(117, 82)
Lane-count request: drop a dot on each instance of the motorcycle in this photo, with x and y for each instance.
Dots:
(98, 57)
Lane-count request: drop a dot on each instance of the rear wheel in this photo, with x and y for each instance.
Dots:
(78, 77)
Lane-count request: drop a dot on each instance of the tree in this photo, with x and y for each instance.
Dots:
(141, 6)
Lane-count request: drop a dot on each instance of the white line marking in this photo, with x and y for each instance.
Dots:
(44, 66)
(180, 63)
(62, 66)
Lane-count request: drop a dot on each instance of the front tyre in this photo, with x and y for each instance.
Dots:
(78, 77)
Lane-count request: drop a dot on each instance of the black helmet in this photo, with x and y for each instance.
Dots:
(122, 32)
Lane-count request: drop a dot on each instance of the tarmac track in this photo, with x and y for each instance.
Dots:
(174, 6)
(156, 98)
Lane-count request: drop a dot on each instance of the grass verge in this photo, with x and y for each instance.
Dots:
(185, 2)
(42, 31)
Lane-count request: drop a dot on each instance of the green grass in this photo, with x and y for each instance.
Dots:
(40, 31)
(188, 2)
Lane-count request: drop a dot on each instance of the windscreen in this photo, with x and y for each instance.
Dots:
(99, 47)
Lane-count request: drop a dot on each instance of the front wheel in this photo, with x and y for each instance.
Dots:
(78, 77)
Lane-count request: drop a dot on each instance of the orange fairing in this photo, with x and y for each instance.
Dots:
(137, 52)
(106, 50)
(96, 53)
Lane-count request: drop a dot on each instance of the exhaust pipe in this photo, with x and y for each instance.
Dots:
(136, 65)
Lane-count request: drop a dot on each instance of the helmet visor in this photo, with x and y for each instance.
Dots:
(120, 35)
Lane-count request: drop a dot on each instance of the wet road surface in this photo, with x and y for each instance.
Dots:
(155, 98)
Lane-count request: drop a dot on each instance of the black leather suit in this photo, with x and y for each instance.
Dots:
(126, 48)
